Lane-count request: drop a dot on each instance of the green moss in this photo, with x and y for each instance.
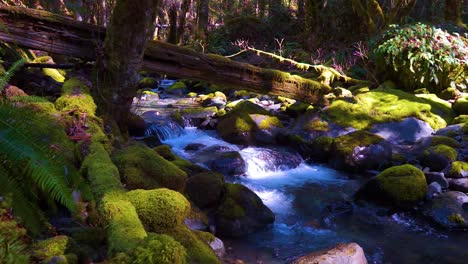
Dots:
(316, 125)
(387, 105)
(58, 247)
(206, 237)
(443, 140)
(160, 209)
(177, 86)
(124, 229)
(443, 150)
(461, 119)
(456, 219)
(449, 93)
(143, 168)
(205, 189)
(83, 102)
(192, 95)
(165, 152)
(52, 73)
(75, 86)
(457, 169)
(266, 122)
(148, 82)
(402, 184)
(461, 106)
(345, 145)
(198, 251)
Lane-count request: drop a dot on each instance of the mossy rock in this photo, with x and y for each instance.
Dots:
(82, 102)
(399, 185)
(388, 105)
(316, 124)
(55, 74)
(438, 157)
(179, 88)
(458, 169)
(449, 93)
(188, 167)
(461, 119)
(461, 106)
(155, 249)
(242, 212)
(198, 251)
(205, 189)
(159, 209)
(321, 148)
(75, 85)
(247, 123)
(148, 82)
(437, 140)
(55, 250)
(298, 108)
(143, 168)
(359, 151)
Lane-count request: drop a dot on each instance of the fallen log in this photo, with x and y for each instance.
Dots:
(41, 30)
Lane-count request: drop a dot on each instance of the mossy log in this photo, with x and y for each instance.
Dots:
(41, 30)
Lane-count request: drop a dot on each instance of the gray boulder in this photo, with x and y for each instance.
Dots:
(350, 253)
(450, 210)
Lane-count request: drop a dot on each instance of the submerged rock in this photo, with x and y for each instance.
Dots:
(241, 213)
(449, 210)
(350, 253)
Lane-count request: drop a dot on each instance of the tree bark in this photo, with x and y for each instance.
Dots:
(202, 17)
(172, 36)
(184, 8)
(130, 28)
(453, 10)
(40, 30)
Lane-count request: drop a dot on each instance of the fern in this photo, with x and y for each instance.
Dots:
(31, 162)
(12, 252)
(11, 71)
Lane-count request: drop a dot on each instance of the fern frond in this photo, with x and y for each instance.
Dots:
(10, 72)
(38, 162)
(30, 215)
(12, 252)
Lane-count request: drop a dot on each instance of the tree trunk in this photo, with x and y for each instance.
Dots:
(274, 8)
(130, 28)
(202, 17)
(261, 8)
(184, 8)
(300, 10)
(172, 36)
(42, 30)
(453, 10)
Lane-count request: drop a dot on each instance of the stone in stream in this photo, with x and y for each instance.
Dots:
(433, 190)
(457, 169)
(349, 253)
(437, 177)
(459, 184)
(450, 209)
(241, 213)
(409, 130)
(221, 159)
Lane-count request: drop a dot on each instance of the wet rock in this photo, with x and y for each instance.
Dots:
(194, 147)
(409, 130)
(433, 190)
(272, 159)
(436, 177)
(218, 247)
(449, 210)
(229, 163)
(136, 126)
(459, 184)
(438, 157)
(350, 253)
(457, 169)
(205, 189)
(360, 151)
(241, 213)
(451, 131)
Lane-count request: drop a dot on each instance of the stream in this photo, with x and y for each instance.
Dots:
(314, 210)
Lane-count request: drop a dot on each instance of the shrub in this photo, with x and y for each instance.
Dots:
(424, 56)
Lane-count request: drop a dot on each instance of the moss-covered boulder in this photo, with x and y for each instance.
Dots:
(359, 151)
(73, 102)
(155, 249)
(247, 124)
(241, 213)
(448, 210)
(458, 169)
(461, 106)
(385, 105)
(205, 189)
(159, 209)
(438, 157)
(57, 249)
(143, 168)
(185, 165)
(399, 185)
(148, 82)
(178, 88)
(431, 141)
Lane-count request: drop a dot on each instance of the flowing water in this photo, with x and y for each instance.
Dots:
(314, 210)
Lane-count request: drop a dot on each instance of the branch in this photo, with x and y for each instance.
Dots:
(45, 65)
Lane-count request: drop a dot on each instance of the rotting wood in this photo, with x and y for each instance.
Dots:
(41, 30)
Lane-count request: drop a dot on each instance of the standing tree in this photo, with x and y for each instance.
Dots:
(202, 17)
(130, 28)
(184, 8)
(453, 12)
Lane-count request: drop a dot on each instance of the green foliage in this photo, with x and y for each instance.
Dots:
(9, 74)
(55, 249)
(30, 160)
(424, 56)
(12, 238)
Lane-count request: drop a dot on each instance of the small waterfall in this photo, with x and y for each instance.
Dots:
(165, 130)
(262, 162)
